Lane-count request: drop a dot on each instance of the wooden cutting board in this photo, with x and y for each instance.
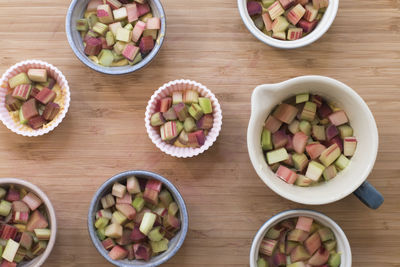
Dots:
(104, 134)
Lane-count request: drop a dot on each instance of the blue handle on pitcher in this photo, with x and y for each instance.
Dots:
(369, 195)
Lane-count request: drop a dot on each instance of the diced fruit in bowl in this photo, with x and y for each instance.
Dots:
(137, 219)
(24, 226)
(184, 118)
(305, 142)
(33, 98)
(117, 33)
(299, 242)
(286, 19)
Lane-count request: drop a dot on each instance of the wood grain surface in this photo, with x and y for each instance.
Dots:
(104, 134)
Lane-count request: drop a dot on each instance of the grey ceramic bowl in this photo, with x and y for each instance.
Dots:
(76, 11)
(174, 244)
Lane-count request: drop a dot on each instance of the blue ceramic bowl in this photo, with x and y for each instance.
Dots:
(174, 244)
(76, 11)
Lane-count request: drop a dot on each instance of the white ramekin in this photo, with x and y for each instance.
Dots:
(320, 30)
(167, 89)
(343, 245)
(24, 66)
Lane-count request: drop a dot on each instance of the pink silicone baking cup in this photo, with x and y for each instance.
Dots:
(24, 66)
(166, 90)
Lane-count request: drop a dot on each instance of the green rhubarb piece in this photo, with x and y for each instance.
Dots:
(155, 235)
(342, 162)
(280, 24)
(195, 111)
(273, 233)
(303, 181)
(5, 208)
(117, 57)
(21, 252)
(177, 97)
(179, 127)
(330, 245)
(152, 33)
(173, 209)
(296, 264)
(159, 246)
(119, 47)
(309, 110)
(82, 25)
(314, 170)
(100, 28)
(138, 203)
(190, 97)
(277, 155)
(345, 131)
(10, 250)
(1, 250)
(305, 127)
(119, 218)
(266, 141)
(110, 39)
(326, 234)
(165, 198)
(137, 59)
(39, 248)
(42, 234)
(147, 223)
(128, 26)
(92, 20)
(300, 161)
(101, 233)
(101, 222)
(294, 126)
(3, 192)
(262, 263)
(267, 3)
(123, 35)
(300, 98)
(329, 172)
(205, 104)
(21, 78)
(334, 260)
(106, 57)
(189, 125)
(315, 227)
(157, 119)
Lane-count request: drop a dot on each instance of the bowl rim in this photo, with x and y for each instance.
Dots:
(59, 118)
(323, 79)
(184, 152)
(317, 33)
(293, 213)
(148, 175)
(51, 214)
(116, 70)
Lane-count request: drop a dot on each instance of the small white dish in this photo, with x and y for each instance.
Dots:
(317, 33)
(353, 178)
(343, 245)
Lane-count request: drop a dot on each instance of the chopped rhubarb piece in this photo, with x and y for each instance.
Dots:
(39, 248)
(157, 119)
(12, 103)
(300, 142)
(142, 251)
(118, 253)
(297, 235)
(143, 9)
(126, 199)
(300, 161)
(206, 122)
(275, 10)
(168, 131)
(331, 132)
(108, 243)
(32, 201)
(36, 221)
(329, 155)
(350, 145)
(114, 4)
(307, 26)
(285, 113)
(342, 162)
(314, 170)
(127, 210)
(320, 3)
(329, 172)
(303, 181)
(268, 246)
(5, 208)
(266, 140)
(279, 35)
(120, 14)
(26, 240)
(93, 46)
(125, 238)
(312, 243)
(338, 118)
(309, 111)
(20, 206)
(279, 139)
(132, 185)
(8, 231)
(136, 235)
(10, 250)
(153, 24)
(326, 234)
(286, 4)
(93, 4)
(20, 217)
(150, 196)
(320, 257)
(318, 132)
(154, 185)
(311, 13)
(299, 253)
(314, 150)
(132, 11)
(138, 30)
(294, 33)
(114, 230)
(254, 8)
(118, 190)
(181, 111)
(42, 234)
(130, 51)
(22, 91)
(305, 127)
(277, 155)
(13, 195)
(286, 174)
(324, 110)
(171, 223)
(289, 146)
(280, 24)
(146, 44)
(45, 96)
(304, 223)
(267, 21)
(21, 78)
(51, 110)
(272, 124)
(105, 14)
(38, 75)
(338, 141)
(295, 14)
(107, 201)
(29, 109)
(345, 131)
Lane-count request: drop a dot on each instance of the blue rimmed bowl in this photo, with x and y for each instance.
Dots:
(76, 11)
(174, 244)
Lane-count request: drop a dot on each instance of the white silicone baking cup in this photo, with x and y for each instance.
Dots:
(24, 66)
(166, 90)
